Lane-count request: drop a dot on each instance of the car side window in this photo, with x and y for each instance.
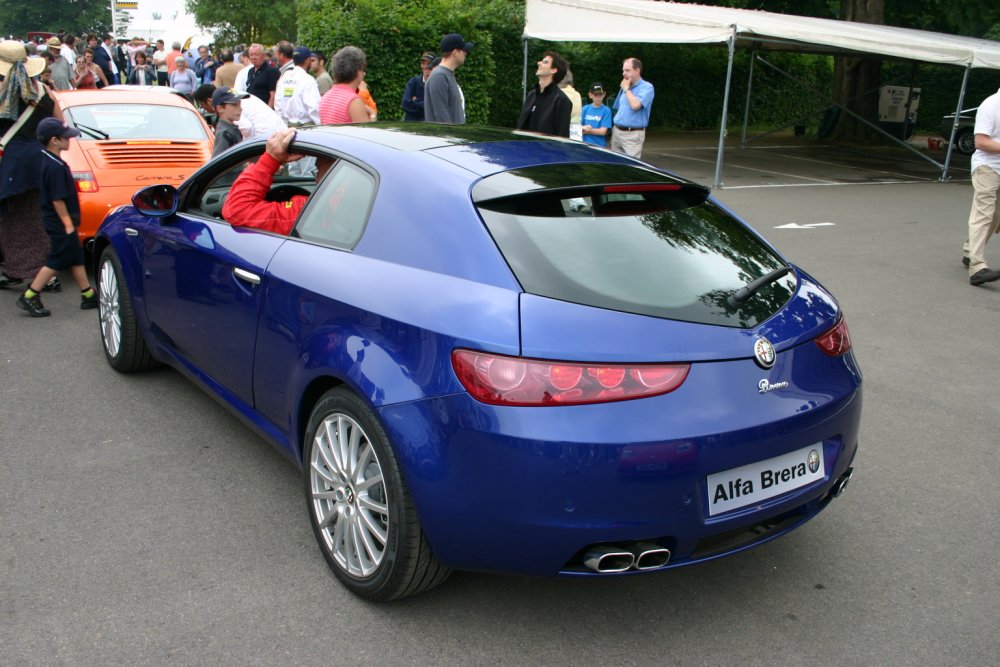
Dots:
(338, 210)
(211, 197)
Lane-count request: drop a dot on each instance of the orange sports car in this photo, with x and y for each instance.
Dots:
(130, 137)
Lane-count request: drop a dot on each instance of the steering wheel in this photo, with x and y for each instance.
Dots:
(285, 192)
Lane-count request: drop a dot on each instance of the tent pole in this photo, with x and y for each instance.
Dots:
(725, 111)
(524, 72)
(746, 107)
(954, 126)
(909, 100)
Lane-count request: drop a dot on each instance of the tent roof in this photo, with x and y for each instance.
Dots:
(649, 21)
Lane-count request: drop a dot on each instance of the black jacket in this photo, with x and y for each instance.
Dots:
(547, 111)
(103, 60)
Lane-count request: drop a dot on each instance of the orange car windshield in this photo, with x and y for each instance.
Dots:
(136, 121)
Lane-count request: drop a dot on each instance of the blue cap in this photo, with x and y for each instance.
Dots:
(300, 54)
(53, 127)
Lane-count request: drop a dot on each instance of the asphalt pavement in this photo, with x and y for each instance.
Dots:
(140, 523)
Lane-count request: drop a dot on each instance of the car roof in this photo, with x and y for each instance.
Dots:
(478, 149)
(129, 95)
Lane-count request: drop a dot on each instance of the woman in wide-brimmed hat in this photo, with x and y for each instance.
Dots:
(22, 240)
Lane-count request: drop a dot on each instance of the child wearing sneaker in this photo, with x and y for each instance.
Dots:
(60, 218)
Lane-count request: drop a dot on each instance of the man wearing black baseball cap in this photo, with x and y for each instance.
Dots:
(443, 99)
(60, 218)
(413, 94)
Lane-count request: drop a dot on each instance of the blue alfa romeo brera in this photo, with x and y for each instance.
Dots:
(495, 351)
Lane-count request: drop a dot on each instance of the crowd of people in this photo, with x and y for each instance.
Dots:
(258, 92)
(253, 91)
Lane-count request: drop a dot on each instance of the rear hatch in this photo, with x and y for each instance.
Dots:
(621, 263)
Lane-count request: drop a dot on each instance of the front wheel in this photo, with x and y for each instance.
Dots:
(124, 346)
(361, 513)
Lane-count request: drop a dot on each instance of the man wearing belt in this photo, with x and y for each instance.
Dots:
(632, 110)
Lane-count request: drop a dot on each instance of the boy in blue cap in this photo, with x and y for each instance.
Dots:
(60, 218)
(596, 118)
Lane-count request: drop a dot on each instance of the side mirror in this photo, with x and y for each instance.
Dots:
(156, 201)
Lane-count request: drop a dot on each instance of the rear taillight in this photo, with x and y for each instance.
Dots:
(503, 380)
(836, 341)
(85, 181)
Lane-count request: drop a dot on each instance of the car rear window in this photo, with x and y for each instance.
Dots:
(630, 240)
(136, 121)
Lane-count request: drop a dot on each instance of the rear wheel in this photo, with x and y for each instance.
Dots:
(124, 346)
(965, 142)
(360, 510)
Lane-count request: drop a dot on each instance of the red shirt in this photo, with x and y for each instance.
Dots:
(245, 205)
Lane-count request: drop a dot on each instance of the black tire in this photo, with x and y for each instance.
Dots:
(124, 346)
(965, 141)
(362, 489)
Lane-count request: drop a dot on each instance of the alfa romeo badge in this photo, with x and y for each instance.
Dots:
(763, 353)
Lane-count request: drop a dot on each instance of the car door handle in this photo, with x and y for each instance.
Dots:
(131, 232)
(245, 275)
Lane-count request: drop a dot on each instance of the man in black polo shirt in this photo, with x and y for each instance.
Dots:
(263, 78)
(60, 218)
(547, 109)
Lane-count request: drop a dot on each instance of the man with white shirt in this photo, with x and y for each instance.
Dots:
(257, 119)
(68, 48)
(108, 44)
(984, 218)
(241, 77)
(296, 97)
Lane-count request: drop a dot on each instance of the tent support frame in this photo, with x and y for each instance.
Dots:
(954, 126)
(725, 109)
(895, 140)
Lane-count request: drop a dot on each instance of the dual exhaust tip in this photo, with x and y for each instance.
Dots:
(608, 559)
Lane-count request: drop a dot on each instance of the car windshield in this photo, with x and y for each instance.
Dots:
(659, 249)
(136, 121)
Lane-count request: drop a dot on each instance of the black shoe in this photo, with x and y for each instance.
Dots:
(53, 285)
(6, 281)
(984, 276)
(33, 306)
(88, 302)
(965, 262)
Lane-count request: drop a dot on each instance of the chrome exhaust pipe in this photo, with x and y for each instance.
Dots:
(608, 559)
(841, 484)
(649, 556)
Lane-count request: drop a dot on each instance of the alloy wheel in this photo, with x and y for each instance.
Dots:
(109, 309)
(349, 495)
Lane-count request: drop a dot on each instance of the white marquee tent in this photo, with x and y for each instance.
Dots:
(651, 21)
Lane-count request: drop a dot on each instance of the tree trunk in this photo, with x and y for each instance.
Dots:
(856, 80)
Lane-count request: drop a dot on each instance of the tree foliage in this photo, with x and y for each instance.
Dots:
(246, 21)
(689, 80)
(75, 16)
(393, 34)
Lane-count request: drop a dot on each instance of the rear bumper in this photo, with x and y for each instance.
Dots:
(527, 490)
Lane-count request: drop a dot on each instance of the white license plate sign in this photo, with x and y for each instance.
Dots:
(756, 482)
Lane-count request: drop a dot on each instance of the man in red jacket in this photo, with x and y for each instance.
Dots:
(245, 206)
